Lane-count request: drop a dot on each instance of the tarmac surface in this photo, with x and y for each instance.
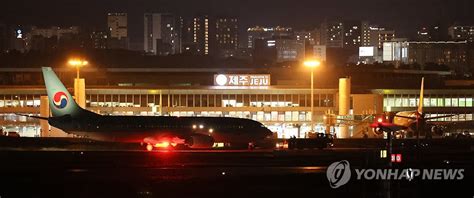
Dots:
(222, 173)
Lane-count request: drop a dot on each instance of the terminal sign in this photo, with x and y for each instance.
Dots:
(242, 80)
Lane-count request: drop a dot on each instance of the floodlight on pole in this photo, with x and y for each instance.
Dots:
(77, 63)
(312, 64)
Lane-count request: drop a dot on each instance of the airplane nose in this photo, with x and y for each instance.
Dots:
(269, 133)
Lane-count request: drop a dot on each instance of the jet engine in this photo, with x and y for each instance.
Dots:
(200, 141)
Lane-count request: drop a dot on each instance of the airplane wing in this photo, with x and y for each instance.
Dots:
(356, 122)
(350, 122)
(436, 117)
(411, 118)
(32, 116)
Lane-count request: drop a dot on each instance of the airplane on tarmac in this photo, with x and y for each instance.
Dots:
(417, 121)
(154, 131)
(412, 122)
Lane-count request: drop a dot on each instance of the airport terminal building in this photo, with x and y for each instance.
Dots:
(284, 109)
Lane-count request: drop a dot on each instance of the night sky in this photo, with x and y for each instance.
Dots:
(402, 15)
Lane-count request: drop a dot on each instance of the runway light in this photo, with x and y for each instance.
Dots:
(383, 153)
(399, 158)
(396, 158)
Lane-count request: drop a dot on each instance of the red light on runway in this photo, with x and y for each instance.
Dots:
(396, 158)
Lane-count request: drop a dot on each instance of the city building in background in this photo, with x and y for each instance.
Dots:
(366, 33)
(380, 36)
(54, 37)
(289, 49)
(337, 42)
(54, 31)
(244, 53)
(450, 53)
(352, 34)
(438, 33)
(461, 33)
(423, 34)
(19, 39)
(311, 38)
(152, 32)
(396, 51)
(117, 24)
(202, 37)
(99, 39)
(349, 34)
(258, 32)
(278, 50)
(264, 51)
(186, 31)
(332, 34)
(453, 54)
(432, 33)
(319, 52)
(373, 35)
(227, 36)
(161, 34)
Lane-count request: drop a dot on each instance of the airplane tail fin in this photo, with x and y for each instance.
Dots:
(420, 102)
(60, 100)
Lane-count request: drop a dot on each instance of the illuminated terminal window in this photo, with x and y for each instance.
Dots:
(428, 101)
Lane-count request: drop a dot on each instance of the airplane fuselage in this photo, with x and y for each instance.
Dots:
(401, 121)
(140, 128)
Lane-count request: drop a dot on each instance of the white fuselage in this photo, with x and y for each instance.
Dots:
(401, 121)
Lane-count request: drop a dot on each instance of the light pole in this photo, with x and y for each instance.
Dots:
(312, 64)
(79, 84)
(77, 63)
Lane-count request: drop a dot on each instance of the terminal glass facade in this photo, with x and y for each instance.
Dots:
(285, 111)
(437, 104)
